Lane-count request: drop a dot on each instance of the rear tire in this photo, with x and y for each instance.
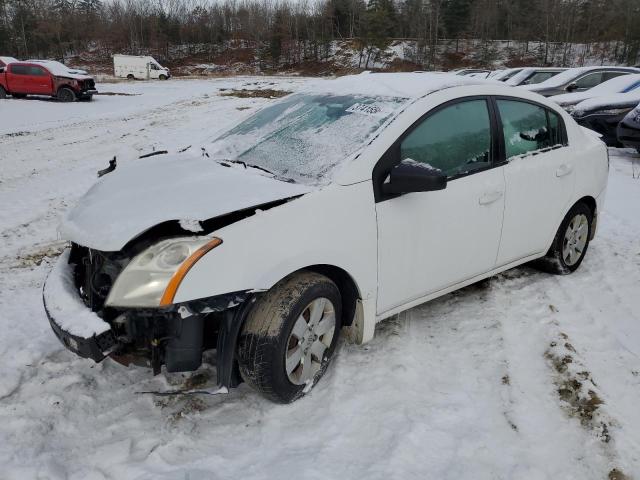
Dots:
(570, 243)
(290, 335)
(130, 77)
(3, 93)
(66, 95)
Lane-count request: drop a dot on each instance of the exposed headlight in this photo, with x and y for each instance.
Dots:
(152, 278)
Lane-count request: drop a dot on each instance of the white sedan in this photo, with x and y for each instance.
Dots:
(322, 214)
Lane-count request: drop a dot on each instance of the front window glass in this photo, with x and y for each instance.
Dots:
(539, 77)
(37, 71)
(526, 128)
(456, 139)
(304, 137)
(590, 80)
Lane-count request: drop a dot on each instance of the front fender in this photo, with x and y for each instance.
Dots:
(332, 226)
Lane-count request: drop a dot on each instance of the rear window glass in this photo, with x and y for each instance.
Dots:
(528, 127)
(20, 69)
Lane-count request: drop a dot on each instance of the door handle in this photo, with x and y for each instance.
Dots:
(564, 169)
(490, 197)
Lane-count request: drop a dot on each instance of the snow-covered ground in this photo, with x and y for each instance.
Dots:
(523, 377)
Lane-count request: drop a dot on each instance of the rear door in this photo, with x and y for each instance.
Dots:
(539, 177)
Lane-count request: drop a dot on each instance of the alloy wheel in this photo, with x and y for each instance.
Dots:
(311, 336)
(575, 239)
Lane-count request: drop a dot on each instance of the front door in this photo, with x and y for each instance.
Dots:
(539, 177)
(39, 81)
(431, 240)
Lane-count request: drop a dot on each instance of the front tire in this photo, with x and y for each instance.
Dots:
(3, 93)
(570, 243)
(290, 335)
(66, 95)
(162, 77)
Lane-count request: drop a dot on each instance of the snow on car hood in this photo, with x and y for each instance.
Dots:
(188, 188)
(618, 100)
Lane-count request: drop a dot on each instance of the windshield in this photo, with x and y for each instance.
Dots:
(304, 137)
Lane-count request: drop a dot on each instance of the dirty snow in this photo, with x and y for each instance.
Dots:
(485, 383)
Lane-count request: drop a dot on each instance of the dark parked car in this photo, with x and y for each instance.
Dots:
(603, 114)
(629, 129)
(578, 80)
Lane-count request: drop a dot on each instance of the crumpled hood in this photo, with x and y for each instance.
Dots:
(137, 196)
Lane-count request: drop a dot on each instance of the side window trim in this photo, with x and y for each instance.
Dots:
(502, 159)
(391, 157)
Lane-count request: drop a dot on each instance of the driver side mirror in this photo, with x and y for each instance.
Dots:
(410, 176)
(572, 87)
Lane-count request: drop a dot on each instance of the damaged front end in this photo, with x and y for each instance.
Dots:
(75, 298)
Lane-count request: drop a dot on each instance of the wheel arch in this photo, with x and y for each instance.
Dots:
(348, 287)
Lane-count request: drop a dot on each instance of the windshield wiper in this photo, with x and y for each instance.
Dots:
(248, 165)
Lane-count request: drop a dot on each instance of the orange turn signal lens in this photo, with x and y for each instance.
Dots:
(170, 292)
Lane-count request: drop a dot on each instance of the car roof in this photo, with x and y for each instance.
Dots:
(404, 85)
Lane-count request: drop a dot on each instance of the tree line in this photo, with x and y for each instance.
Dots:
(289, 32)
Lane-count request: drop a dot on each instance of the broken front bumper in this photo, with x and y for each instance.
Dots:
(96, 347)
(77, 327)
(174, 336)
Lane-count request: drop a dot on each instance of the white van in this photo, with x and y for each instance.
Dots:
(139, 67)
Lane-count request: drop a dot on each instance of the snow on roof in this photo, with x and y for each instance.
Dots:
(568, 75)
(615, 85)
(8, 60)
(616, 100)
(405, 85)
(60, 69)
(525, 72)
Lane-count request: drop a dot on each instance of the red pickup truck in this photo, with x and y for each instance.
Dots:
(53, 79)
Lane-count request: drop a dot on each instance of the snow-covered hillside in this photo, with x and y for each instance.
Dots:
(525, 376)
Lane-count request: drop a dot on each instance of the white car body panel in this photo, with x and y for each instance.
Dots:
(425, 242)
(399, 252)
(332, 226)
